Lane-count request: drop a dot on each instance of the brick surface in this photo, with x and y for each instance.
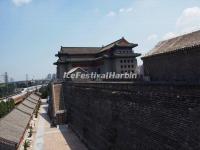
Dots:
(116, 116)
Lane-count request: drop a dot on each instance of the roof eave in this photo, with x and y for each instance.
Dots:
(131, 45)
(170, 52)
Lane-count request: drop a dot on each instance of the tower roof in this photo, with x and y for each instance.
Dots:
(94, 50)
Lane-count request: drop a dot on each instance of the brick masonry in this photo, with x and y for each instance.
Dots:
(182, 66)
(134, 116)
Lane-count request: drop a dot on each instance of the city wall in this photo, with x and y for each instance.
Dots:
(129, 116)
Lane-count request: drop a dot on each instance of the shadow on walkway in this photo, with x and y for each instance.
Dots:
(72, 141)
(71, 138)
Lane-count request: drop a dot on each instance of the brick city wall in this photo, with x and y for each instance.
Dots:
(134, 116)
(182, 65)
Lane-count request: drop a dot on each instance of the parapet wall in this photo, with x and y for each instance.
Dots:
(129, 116)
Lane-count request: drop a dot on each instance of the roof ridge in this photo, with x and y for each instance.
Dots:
(94, 46)
(79, 47)
(27, 106)
(94, 50)
(186, 40)
(179, 36)
(113, 42)
(31, 101)
(23, 111)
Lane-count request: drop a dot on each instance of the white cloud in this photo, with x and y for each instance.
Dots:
(111, 14)
(21, 2)
(169, 35)
(121, 10)
(187, 22)
(152, 37)
(125, 10)
(190, 29)
(189, 16)
(129, 10)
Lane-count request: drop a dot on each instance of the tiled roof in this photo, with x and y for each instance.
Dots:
(80, 50)
(121, 42)
(31, 100)
(178, 43)
(13, 125)
(29, 104)
(95, 50)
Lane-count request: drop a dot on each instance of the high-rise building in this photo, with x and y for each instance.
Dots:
(48, 77)
(53, 76)
(6, 77)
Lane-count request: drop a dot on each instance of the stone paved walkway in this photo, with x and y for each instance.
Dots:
(60, 138)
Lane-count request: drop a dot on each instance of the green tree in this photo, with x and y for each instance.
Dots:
(1, 109)
(6, 107)
(12, 104)
(26, 144)
(45, 91)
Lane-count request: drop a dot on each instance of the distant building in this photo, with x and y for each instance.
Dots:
(6, 77)
(53, 76)
(48, 77)
(11, 80)
(115, 57)
(176, 59)
(1, 78)
(140, 70)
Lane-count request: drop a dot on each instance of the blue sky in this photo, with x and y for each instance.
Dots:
(32, 31)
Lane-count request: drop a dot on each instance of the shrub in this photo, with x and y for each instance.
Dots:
(26, 144)
(6, 107)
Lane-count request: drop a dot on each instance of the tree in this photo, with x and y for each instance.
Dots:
(9, 105)
(12, 103)
(26, 144)
(6, 107)
(3, 108)
(45, 91)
